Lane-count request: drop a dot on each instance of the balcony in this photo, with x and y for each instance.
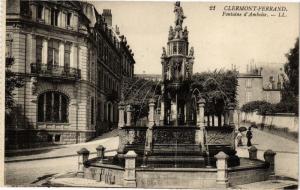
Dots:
(55, 72)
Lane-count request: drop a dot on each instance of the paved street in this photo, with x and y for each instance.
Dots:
(286, 160)
(25, 172)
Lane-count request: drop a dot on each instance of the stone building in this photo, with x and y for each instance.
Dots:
(252, 86)
(71, 64)
(152, 77)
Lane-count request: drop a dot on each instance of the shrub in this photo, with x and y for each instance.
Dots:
(263, 107)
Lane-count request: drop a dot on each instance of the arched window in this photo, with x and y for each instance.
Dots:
(53, 107)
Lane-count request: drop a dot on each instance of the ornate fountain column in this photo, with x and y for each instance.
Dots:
(200, 123)
(174, 114)
(162, 113)
(128, 110)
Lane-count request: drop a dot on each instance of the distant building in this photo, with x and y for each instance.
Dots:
(253, 86)
(72, 62)
(152, 77)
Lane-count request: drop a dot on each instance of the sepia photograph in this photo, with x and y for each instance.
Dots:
(150, 94)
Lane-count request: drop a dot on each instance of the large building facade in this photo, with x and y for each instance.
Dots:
(72, 63)
(253, 86)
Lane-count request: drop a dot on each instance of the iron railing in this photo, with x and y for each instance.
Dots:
(48, 70)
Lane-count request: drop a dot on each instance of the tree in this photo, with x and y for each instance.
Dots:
(137, 92)
(217, 88)
(291, 68)
(12, 81)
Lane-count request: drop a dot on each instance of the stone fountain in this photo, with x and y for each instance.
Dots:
(177, 148)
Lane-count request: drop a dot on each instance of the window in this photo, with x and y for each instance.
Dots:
(57, 138)
(174, 48)
(53, 107)
(92, 110)
(99, 111)
(67, 56)
(248, 83)
(181, 48)
(40, 12)
(8, 49)
(39, 47)
(69, 16)
(54, 17)
(53, 54)
(25, 9)
(248, 96)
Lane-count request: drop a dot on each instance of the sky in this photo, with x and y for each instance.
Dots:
(218, 41)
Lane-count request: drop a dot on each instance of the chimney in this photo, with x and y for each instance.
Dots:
(107, 16)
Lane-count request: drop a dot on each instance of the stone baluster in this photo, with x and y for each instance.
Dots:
(222, 170)
(129, 174)
(252, 153)
(129, 112)
(121, 122)
(100, 152)
(83, 156)
(269, 157)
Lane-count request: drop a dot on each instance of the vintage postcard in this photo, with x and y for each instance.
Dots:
(160, 94)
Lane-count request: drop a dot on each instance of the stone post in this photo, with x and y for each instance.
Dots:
(222, 173)
(121, 122)
(83, 156)
(200, 123)
(252, 153)
(100, 152)
(157, 117)
(231, 112)
(269, 157)
(129, 174)
(151, 113)
(226, 120)
(162, 113)
(200, 116)
(128, 110)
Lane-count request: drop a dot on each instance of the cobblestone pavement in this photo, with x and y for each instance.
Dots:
(286, 159)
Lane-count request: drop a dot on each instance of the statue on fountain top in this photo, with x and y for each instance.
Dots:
(179, 16)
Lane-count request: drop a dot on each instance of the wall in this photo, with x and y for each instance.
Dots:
(280, 120)
(176, 178)
(255, 89)
(272, 96)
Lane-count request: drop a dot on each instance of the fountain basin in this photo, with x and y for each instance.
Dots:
(248, 171)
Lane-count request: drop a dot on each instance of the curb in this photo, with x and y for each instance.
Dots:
(277, 151)
(50, 157)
